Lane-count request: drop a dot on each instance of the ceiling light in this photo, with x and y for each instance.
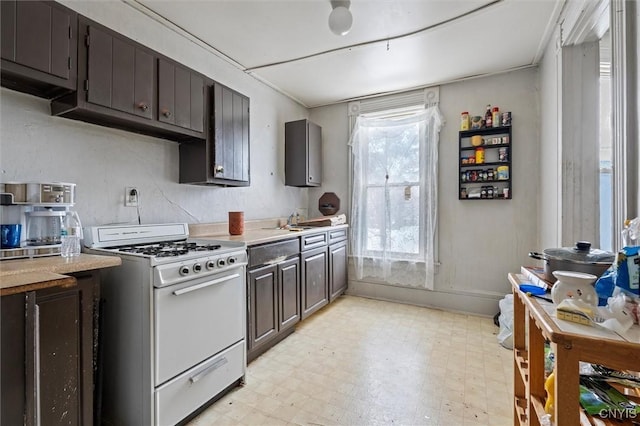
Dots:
(340, 19)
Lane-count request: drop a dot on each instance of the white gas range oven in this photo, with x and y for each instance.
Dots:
(173, 321)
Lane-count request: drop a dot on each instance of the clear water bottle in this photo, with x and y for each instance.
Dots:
(71, 235)
(631, 232)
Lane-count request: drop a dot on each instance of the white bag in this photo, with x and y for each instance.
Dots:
(505, 336)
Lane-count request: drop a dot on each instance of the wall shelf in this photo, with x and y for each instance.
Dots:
(488, 177)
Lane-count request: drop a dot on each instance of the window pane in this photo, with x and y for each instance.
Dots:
(401, 227)
(394, 151)
(404, 232)
(375, 218)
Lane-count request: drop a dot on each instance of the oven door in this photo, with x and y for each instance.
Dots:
(196, 319)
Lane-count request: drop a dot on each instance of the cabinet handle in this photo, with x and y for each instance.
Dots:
(166, 113)
(310, 177)
(219, 363)
(219, 169)
(143, 106)
(38, 413)
(205, 284)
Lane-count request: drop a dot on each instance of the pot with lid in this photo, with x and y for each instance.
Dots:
(580, 258)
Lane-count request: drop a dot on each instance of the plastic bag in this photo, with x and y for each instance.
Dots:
(605, 285)
(624, 273)
(505, 336)
(628, 276)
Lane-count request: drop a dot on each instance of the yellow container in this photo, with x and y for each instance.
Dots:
(479, 155)
(465, 121)
(503, 172)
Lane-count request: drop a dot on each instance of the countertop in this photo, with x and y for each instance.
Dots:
(254, 235)
(20, 275)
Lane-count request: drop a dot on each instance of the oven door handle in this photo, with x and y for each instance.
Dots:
(205, 284)
(219, 363)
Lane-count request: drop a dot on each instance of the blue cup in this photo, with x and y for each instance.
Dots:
(11, 235)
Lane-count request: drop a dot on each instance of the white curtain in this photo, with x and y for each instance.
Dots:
(383, 191)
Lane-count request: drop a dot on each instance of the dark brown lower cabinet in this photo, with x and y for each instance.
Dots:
(48, 354)
(314, 265)
(337, 269)
(263, 309)
(273, 304)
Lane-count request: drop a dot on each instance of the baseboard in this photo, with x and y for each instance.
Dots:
(477, 304)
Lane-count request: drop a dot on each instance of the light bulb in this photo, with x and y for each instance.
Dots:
(340, 20)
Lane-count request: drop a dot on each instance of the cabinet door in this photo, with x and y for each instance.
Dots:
(289, 292)
(60, 324)
(263, 305)
(314, 158)
(166, 91)
(42, 35)
(39, 49)
(99, 66)
(337, 269)
(120, 74)
(303, 153)
(230, 135)
(180, 96)
(12, 368)
(8, 30)
(314, 280)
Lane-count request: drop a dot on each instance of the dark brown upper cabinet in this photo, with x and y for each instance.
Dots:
(125, 85)
(303, 153)
(180, 96)
(224, 158)
(38, 47)
(119, 74)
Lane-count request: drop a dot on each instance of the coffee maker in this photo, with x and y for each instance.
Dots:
(41, 210)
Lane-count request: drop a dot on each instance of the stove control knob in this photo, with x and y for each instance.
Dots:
(197, 267)
(221, 263)
(231, 260)
(211, 264)
(184, 270)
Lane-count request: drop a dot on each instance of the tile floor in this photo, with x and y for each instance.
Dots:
(367, 362)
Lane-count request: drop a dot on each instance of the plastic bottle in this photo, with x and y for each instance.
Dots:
(479, 155)
(71, 234)
(495, 117)
(488, 118)
(631, 232)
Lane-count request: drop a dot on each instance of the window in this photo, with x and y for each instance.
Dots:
(394, 195)
(606, 152)
(391, 190)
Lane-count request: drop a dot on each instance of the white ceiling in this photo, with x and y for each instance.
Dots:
(393, 45)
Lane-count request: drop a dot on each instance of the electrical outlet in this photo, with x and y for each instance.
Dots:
(131, 196)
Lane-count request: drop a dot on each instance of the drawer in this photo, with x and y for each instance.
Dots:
(311, 241)
(273, 252)
(337, 235)
(181, 396)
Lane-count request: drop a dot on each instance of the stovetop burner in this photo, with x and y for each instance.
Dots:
(169, 249)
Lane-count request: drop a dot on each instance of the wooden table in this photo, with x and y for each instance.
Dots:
(534, 323)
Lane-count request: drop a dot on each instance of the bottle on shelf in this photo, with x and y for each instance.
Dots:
(495, 117)
(465, 121)
(71, 234)
(488, 117)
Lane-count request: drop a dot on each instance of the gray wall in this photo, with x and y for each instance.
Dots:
(479, 241)
(37, 147)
